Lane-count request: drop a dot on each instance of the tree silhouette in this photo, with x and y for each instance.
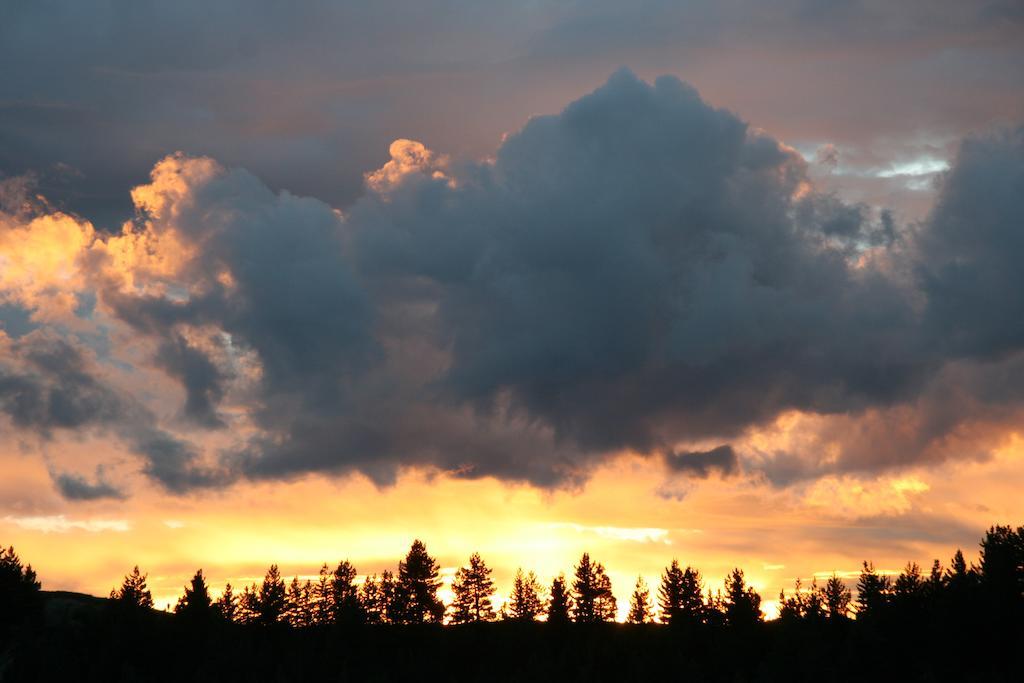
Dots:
(872, 591)
(133, 593)
(249, 605)
(592, 593)
(323, 604)
(299, 603)
(640, 610)
(680, 599)
(559, 603)
(373, 600)
(742, 605)
(670, 593)
(227, 605)
(524, 603)
(346, 608)
(416, 600)
(837, 598)
(196, 605)
(1001, 572)
(19, 590)
(472, 589)
(271, 599)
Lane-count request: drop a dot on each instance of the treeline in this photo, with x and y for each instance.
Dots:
(963, 622)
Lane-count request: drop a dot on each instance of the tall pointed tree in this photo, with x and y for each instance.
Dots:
(133, 592)
(640, 610)
(271, 597)
(524, 603)
(249, 605)
(873, 591)
(298, 603)
(323, 603)
(592, 593)
(670, 593)
(472, 589)
(416, 600)
(559, 603)
(227, 605)
(347, 609)
(19, 590)
(837, 598)
(742, 605)
(196, 604)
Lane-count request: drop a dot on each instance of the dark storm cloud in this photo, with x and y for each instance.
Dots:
(971, 251)
(47, 386)
(75, 487)
(202, 379)
(629, 272)
(701, 464)
(308, 95)
(640, 271)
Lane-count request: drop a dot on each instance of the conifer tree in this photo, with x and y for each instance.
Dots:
(298, 603)
(670, 593)
(524, 603)
(472, 589)
(742, 605)
(370, 599)
(249, 605)
(321, 598)
(559, 603)
(196, 604)
(592, 593)
(227, 605)
(19, 589)
(347, 609)
(133, 592)
(837, 598)
(271, 597)
(873, 591)
(416, 600)
(640, 610)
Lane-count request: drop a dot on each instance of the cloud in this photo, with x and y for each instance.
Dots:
(701, 464)
(640, 272)
(75, 487)
(60, 524)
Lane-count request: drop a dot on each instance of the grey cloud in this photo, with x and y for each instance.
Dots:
(629, 270)
(636, 272)
(75, 487)
(47, 385)
(701, 464)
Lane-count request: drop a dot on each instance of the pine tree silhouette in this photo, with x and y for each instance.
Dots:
(472, 589)
(299, 603)
(873, 591)
(133, 593)
(640, 610)
(742, 605)
(271, 598)
(346, 607)
(592, 593)
(416, 600)
(322, 599)
(196, 605)
(837, 598)
(559, 603)
(19, 590)
(227, 605)
(525, 602)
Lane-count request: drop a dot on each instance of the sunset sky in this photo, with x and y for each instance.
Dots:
(737, 283)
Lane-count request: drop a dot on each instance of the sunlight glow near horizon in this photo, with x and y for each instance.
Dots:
(237, 534)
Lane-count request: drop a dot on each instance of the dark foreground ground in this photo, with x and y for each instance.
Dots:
(83, 639)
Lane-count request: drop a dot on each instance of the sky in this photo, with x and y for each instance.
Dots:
(735, 283)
